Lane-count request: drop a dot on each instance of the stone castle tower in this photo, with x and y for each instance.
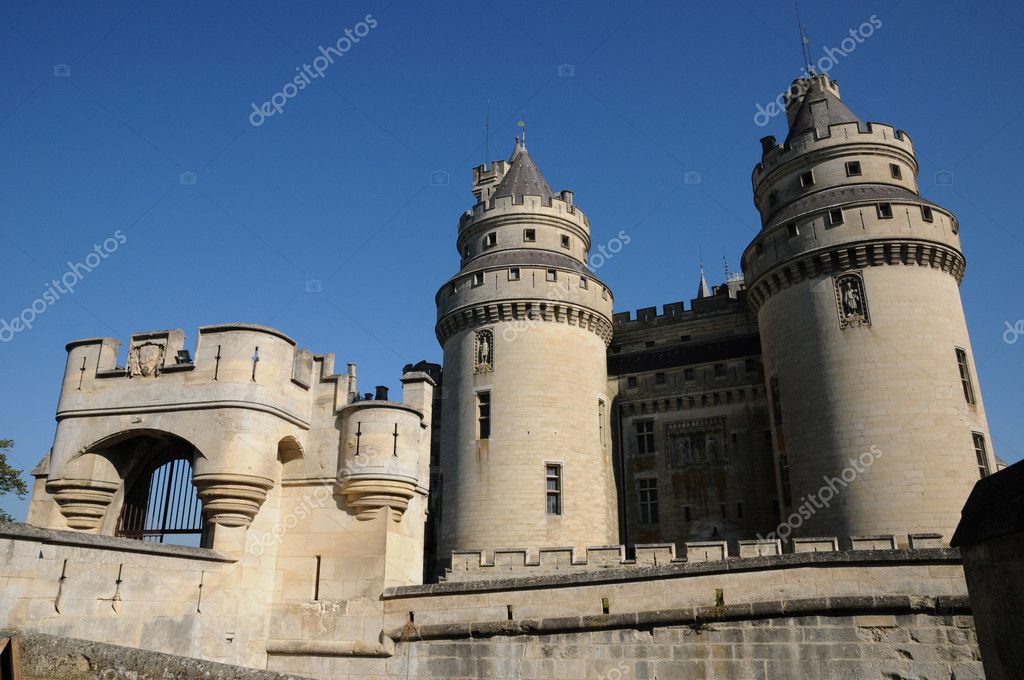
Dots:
(877, 421)
(525, 448)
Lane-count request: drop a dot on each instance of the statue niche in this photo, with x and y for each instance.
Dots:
(851, 301)
(484, 356)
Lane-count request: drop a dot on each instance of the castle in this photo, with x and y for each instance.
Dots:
(764, 479)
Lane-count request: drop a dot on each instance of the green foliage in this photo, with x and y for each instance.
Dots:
(10, 478)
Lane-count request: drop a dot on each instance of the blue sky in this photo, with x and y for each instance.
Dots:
(337, 186)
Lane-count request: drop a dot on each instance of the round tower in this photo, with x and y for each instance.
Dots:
(877, 418)
(525, 449)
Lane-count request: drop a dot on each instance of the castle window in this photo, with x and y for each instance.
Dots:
(644, 437)
(965, 375)
(897, 172)
(689, 374)
(649, 343)
(720, 370)
(566, 242)
(980, 453)
(722, 510)
(478, 279)
(529, 235)
(926, 214)
(739, 509)
(807, 179)
(600, 421)
(647, 490)
(685, 338)
(583, 282)
(513, 274)
(852, 168)
(491, 240)
(465, 251)
(793, 229)
(659, 378)
(483, 405)
(787, 492)
(631, 382)
(551, 275)
(884, 211)
(686, 513)
(835, 216)
(553, 482)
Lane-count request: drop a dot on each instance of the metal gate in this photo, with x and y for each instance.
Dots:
(162, 503)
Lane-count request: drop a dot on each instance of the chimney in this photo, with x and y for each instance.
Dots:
(382, 393)
(767, 144)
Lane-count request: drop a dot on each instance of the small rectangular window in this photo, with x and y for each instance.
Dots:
(965, 375)
(491, 240)
(926, 214)
(689, 374)
(483, 405)
(551, 275)
(721, 509)
(659, 378)
(980, 453)
(686, 513)
(631, 382)
(513, 274)
(720, 370)
(852, 168)
(835, 216)
(647, 491)
(600, 421)
(465, 251)
(644, 436)
(884, 211)
(529, 235)
(897, 172)
(793, 229)
(553, 483)
(807, 179)
(566, 242)
(685, 338)
(583, 282)
(478, 279)
(739, 509)
(787, 493)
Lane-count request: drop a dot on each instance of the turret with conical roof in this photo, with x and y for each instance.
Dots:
(854, 277)
(525, 449)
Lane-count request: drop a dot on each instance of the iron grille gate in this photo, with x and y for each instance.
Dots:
(162, 502)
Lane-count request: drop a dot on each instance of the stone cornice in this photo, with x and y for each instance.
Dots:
(473, 316)
(856, 255)
(184, 406)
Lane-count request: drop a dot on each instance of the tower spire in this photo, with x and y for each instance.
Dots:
(805, 42)
(703, 290)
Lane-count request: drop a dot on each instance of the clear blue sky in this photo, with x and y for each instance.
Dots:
(337, 186)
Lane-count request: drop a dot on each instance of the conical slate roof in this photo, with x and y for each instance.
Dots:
(523, 178)
(836, 111)
(703, 290)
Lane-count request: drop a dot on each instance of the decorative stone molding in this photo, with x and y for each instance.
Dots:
(83, 502)
(372, 496)
(524, 312)
(846, 258)
(231, 500)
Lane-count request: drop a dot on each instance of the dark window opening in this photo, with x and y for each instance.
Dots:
(162, 506)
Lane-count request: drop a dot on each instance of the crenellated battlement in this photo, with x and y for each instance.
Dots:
(476, 565)
(840, 134)
(561, 208)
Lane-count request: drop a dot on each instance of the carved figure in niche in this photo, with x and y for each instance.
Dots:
(484, 352)
(145, 359)
(851, 300)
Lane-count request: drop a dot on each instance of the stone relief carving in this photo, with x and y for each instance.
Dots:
(145, 359)
(484, 352)
(697, 444)
(851, 300)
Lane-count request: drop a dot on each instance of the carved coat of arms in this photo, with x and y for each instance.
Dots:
(145, 359)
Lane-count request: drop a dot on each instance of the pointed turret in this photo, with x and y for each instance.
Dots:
(703, 290)
(523, 178)
(813, 103)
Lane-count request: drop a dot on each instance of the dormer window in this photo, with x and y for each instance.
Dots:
(529, 235)
(853, 168)
(551, 275)
(807, 179)
(513, 274)
(491, 240)
(884, 211)
(897, 172)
